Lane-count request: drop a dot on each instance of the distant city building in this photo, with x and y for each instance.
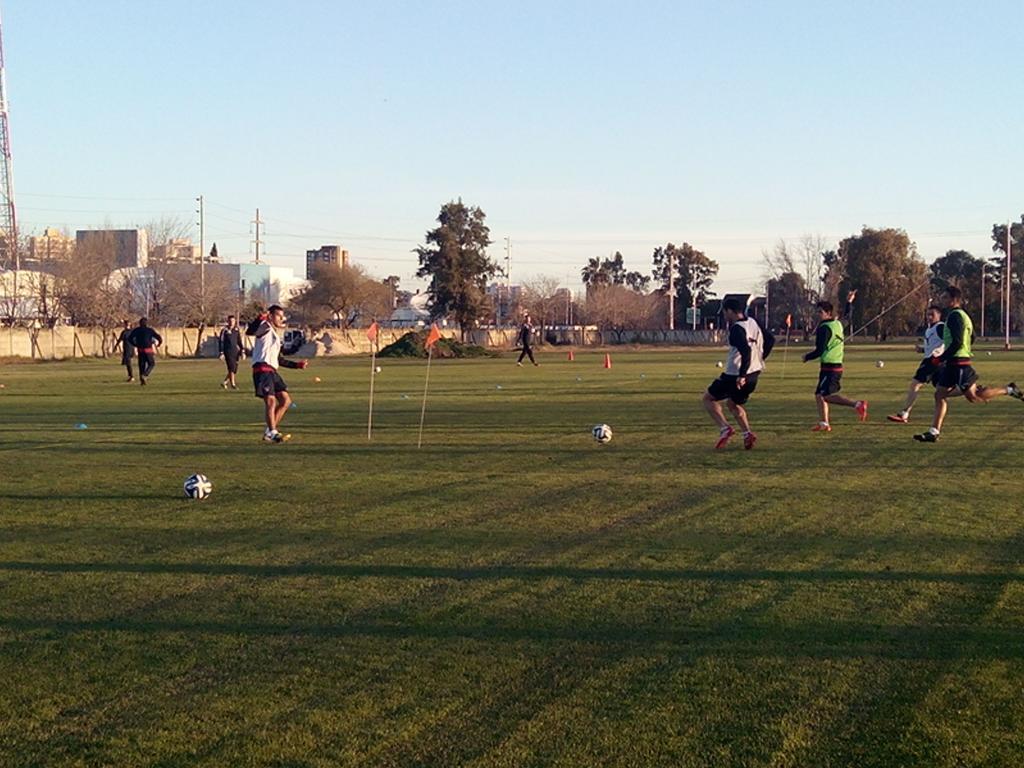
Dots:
(333, 255)
(52, 245)
(129, 247)
(176, 251)
(506, 300)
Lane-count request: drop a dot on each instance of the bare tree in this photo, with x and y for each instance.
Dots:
(542, 299)
(348, 293)
(619, 309)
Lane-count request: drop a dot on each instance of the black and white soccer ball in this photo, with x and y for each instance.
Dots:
(198, 487)
(602, 433)
(880, 364)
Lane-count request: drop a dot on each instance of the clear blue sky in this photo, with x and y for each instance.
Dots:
(579, 127)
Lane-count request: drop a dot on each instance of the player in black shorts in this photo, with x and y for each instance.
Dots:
(931, 365)
(958, 376)
(127, 350)
(749, 345)
(146, 341)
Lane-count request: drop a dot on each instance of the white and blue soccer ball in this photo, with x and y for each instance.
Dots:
(880, 364)
(198, 487)
(602, 433)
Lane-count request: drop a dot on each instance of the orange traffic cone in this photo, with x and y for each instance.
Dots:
(607, 360)
(572, 355)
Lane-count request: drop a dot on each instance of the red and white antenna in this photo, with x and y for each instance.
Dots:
(8, 214)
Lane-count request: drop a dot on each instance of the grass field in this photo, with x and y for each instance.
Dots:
(512, 594)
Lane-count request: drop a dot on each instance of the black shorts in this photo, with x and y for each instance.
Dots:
(268, 383)
(724, 388)
(829, 382)
(231, 363)
(927, 372)
(957, 377)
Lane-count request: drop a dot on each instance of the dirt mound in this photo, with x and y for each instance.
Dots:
(413, 344)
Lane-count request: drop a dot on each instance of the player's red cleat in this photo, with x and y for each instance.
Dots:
(723, 439)
(749, 440)
(821, 428)
(862, 410)
(898, 418)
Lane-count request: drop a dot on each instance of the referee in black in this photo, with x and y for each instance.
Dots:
(229, 344)
(525, 339)
(127, 350)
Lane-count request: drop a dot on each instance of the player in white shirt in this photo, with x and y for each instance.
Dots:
(749, 345)
(266, 358)
(931, 365)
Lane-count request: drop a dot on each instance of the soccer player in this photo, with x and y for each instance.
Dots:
(525, 338)
(931, 365)
(127, 350)
(828, 347)
(229, 343)
(749, 345)
(266, 357)
(958, 376)
(146, 341)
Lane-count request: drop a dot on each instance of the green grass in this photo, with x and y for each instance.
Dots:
(512, 594)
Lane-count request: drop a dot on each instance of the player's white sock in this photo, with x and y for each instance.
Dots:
(934, 431)
(823, 423)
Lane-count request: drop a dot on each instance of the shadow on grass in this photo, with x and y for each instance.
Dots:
(732, 638)
(517, 573)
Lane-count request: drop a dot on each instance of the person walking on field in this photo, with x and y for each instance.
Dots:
(749, 346)
(526, 340)
(958, 376)
(231, 349)
(127, 350)
(829, 348)
(146, 341)
(267, 328)
(931, 365)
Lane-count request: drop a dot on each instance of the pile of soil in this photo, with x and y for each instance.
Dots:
(413, 344)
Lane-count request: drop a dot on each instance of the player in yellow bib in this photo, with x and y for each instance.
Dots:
(958, 376)
(829, 347)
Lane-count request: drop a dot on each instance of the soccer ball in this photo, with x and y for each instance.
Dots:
(880, 364)
(602, 433)
(377, 369)
(719, 364)
(198, 487)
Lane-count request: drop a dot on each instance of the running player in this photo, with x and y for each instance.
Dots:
(146, 341)
(829, 347)
(526, 339)
(266, 357)
(749, 345)
(231, 350)
(931, 365)
(958, 376)
(127, 350)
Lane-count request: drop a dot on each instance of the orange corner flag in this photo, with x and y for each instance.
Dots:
(433, 337)
(371, 332)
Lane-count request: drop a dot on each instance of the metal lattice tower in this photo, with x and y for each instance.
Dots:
(8, 216)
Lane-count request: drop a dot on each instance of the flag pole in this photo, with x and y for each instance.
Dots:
(785, 353)
(372, 333)
(373, 375)
(426, 383)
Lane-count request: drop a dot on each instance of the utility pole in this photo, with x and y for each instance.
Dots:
(693, 295)
(8, 214)
(1009, 283)
(257, 242)
(202, 257)
(767, 304)
(508, 281)
(671, 290)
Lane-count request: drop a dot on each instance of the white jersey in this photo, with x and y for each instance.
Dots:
(266, 350)
(933, 340)
(755, 339)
